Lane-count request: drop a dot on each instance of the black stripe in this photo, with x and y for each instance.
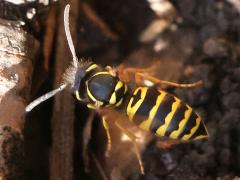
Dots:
(136, 97)
(189, 125)
(176, 119)
(200, 131)
(119, 93)
(143, 111)
(164, 109)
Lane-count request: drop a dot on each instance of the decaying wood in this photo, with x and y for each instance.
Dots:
(61, 155)
(11, 154)
(17, 51)
(48, 43)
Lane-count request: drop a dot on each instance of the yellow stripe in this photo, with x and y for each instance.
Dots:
(132, 110)
(182, 123)
(93, 66)
(119, 102)
(125, 88)
(119, 85)
(145, 125)
(161, 131)
(100, 73)
(113, 98)
(77, 96)
(193, 130)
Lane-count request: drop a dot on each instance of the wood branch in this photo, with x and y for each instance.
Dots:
(61, 157)
(17, 51)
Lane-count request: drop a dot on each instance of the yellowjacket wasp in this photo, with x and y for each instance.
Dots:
(151, 109)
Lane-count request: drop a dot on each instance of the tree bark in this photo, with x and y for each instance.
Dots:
(17, 51)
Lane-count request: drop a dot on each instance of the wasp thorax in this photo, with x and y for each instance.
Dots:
(100, 87)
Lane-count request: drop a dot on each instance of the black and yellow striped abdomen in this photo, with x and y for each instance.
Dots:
(164, 114)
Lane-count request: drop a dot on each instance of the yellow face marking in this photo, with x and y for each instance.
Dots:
(131, 110)
(182, 123)
(145, 125)
(93, 66)
(193, 130)
(113, 98)
(119, 85)
(119, 102)
(161, 131)
(77, 96)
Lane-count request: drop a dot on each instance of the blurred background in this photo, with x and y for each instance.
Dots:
(176, 40)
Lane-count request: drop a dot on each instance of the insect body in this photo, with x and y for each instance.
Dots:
(149, 108)
(164, 115)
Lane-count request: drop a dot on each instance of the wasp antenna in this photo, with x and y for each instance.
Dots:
(44, 98)
(68, 35)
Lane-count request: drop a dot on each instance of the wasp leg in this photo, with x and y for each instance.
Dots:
(127, 74)
(106, 127)
(132, 137)
(141, 79)
(99, 166)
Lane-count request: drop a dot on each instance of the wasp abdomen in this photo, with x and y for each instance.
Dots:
(164, 114)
